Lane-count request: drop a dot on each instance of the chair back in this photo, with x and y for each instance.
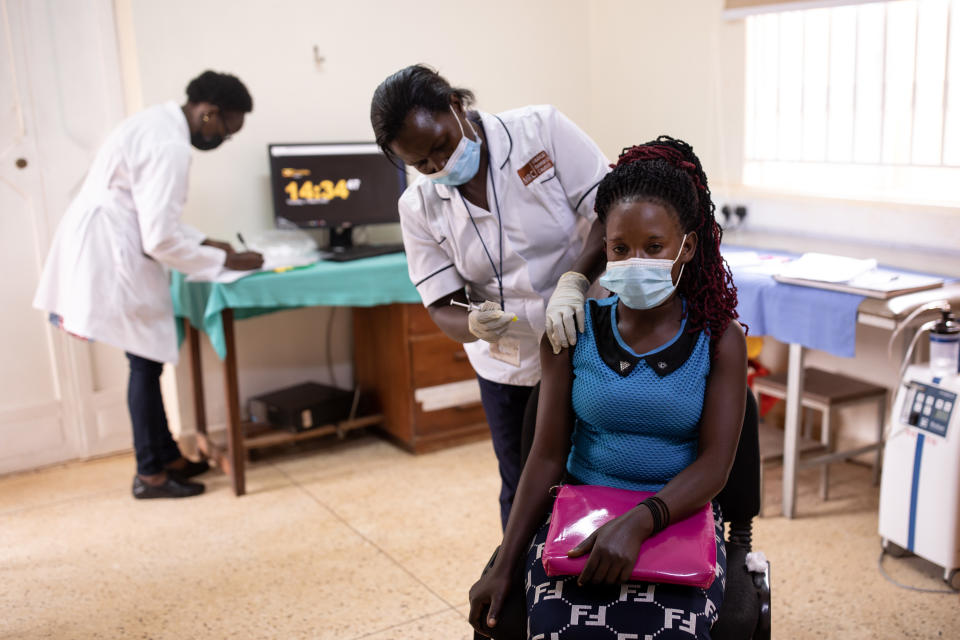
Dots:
(740, 497)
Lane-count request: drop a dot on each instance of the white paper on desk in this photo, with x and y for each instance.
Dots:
(753, 262)
(824, 267)
(884, 280)
(226, 276)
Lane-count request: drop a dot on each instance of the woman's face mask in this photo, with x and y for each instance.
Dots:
(463, 162)
(642, 283)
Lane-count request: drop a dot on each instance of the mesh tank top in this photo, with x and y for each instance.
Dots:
(637, 416)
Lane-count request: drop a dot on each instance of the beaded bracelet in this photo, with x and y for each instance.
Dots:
(659, 512)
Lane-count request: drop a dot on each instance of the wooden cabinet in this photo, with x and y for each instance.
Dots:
(397, 350)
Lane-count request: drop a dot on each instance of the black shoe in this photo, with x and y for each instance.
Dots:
(172, 488)
(189, 470)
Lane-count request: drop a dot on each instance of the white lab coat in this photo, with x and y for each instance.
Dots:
(106, 272)
(545, 223)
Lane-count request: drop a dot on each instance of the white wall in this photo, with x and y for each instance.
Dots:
(668, 67)
(509, 53)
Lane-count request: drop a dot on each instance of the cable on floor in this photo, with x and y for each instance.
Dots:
(906, 586)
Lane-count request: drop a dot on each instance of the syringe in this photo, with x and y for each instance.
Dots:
(473, 307)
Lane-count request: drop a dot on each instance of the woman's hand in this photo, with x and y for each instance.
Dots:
(613, 548)
(488, 595)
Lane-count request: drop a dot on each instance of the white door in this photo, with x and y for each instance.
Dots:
(60, 93)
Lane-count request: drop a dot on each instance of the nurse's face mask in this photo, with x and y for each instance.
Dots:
(463, 162)
(207, 143)
(642, 283)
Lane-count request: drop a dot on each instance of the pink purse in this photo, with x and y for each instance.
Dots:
(683, 553)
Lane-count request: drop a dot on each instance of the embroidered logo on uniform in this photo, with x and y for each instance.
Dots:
(624, 365)
(537, 166)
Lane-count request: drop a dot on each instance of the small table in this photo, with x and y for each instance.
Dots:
(792, 314)
(213, 307)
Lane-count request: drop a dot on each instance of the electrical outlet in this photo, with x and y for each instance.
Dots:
(725, 210)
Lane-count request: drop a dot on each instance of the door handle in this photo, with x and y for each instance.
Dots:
(21, 163)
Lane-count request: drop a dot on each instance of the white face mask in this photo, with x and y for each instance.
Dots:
(642, 283)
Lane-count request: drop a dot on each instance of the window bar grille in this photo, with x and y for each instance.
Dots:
(883, 84)
(946, 88)
(913, 99)
(856, 85)
(826, 114)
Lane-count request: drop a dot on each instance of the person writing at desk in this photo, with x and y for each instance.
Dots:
(502, 210)
(651, 398)
(105, 277)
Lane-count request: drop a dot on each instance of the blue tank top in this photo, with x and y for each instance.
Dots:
(637, 416)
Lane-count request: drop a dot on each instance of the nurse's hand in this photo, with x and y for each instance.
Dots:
(243, 261)
(489, 322)
(565, 314)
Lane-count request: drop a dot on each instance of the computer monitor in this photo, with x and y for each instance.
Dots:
(334, 185)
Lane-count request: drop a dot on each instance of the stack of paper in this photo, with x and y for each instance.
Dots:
(851, 275)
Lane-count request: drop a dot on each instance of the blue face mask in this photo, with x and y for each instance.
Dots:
(642, 283)
(463, 162)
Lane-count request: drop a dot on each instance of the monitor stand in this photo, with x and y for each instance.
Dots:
(342, 248)
(341, 239)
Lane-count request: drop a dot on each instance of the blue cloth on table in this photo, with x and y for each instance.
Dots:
(816, 318)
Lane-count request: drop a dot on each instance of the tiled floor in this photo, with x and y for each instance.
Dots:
(358, 539)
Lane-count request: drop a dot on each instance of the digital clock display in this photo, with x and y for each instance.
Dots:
(334, 185)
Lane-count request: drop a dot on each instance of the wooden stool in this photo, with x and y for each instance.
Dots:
(824, 392)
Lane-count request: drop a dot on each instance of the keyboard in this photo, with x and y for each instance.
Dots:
(362, 251)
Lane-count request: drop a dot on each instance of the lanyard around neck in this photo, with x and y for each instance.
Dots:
(498, 273)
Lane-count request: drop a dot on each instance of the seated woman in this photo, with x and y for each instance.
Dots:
(658, 386)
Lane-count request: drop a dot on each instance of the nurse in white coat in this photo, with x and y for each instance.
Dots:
(106, 278)
(503, 210)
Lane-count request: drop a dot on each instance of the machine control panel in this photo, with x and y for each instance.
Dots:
(928, 407)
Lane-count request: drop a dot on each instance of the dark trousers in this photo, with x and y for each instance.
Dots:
(152, 442)
(504, 406)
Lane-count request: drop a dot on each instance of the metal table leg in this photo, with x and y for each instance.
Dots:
(791, 434)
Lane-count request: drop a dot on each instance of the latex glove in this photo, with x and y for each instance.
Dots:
(565, 314)
(489, 322)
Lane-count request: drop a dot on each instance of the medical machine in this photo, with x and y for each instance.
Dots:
(338, 186)
(920, 485)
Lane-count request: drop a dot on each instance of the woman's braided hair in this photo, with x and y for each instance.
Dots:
(665, 171)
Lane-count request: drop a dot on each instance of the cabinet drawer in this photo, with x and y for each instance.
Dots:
(438, 360)
(419, 322)
(432, 422)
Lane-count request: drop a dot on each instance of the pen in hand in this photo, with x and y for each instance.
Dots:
(242, 243)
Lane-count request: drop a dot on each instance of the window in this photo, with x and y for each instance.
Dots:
(858, 101)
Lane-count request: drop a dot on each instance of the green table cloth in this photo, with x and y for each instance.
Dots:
(357, 283)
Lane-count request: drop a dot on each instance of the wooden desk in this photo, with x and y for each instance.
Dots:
(397, 349)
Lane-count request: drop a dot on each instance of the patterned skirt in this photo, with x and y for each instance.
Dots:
(559, 609)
